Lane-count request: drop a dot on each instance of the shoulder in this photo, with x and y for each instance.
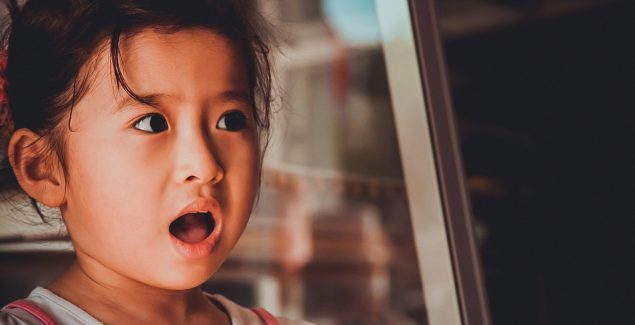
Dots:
(43, 306)
(12, 316)
(23, 312)
(240, 315)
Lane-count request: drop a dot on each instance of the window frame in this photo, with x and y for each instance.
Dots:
(464, 250)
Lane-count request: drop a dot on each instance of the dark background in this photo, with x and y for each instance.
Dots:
(545, 110)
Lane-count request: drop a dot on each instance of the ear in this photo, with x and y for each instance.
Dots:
(37, 168)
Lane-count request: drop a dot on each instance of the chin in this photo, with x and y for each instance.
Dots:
(183, 278)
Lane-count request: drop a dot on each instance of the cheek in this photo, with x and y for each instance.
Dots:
(105, 161)
(244, 162)
(107, 184)
(242, 172)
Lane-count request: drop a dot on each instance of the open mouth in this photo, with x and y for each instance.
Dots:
(193, 227)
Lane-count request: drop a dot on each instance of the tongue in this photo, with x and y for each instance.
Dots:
(192, 227)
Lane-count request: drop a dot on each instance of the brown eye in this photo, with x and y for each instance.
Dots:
(232, 121)
(153, 123)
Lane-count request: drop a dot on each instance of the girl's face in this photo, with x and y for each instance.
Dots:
(138, 174)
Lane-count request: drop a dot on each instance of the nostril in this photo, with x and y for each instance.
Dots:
(218, 177)
(212, 175)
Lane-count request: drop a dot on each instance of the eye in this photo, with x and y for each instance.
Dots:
(153, 123)
(232, 121)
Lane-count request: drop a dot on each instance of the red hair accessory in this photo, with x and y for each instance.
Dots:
(5, 114)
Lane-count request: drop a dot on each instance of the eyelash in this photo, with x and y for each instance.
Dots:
(238, 118)
(138, 124)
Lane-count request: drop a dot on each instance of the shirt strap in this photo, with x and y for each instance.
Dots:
(265, 316)
(32, 309)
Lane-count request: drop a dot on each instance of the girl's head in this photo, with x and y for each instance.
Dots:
(142, 121)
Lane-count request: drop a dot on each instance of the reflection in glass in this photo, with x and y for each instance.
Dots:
(332, 231)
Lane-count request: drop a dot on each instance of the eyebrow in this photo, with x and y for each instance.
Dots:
(236, 95)
(154, 100)
(151, 100)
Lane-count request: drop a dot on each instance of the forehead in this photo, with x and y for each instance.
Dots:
(150, 57)
(158, 44)
(187, 62)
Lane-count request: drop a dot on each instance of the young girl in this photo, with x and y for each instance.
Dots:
(142, 121)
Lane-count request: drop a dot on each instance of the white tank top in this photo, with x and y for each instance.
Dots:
(64, 312)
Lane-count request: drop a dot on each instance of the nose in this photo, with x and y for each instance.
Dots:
(196, 160)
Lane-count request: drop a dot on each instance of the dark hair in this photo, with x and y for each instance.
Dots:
(50, 41)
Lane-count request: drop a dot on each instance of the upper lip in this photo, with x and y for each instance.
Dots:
(203, 204)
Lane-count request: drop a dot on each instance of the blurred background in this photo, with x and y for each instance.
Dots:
(542, 93)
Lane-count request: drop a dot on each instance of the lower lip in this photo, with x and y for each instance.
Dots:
(200, 249)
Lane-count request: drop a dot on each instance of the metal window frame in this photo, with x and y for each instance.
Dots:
(450, 172)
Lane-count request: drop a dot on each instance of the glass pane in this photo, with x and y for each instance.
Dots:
(333, 231)
(336, 236)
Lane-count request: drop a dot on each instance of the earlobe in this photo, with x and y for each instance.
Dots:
(37, 168)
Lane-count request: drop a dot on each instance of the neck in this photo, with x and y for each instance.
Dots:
(113, 298)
